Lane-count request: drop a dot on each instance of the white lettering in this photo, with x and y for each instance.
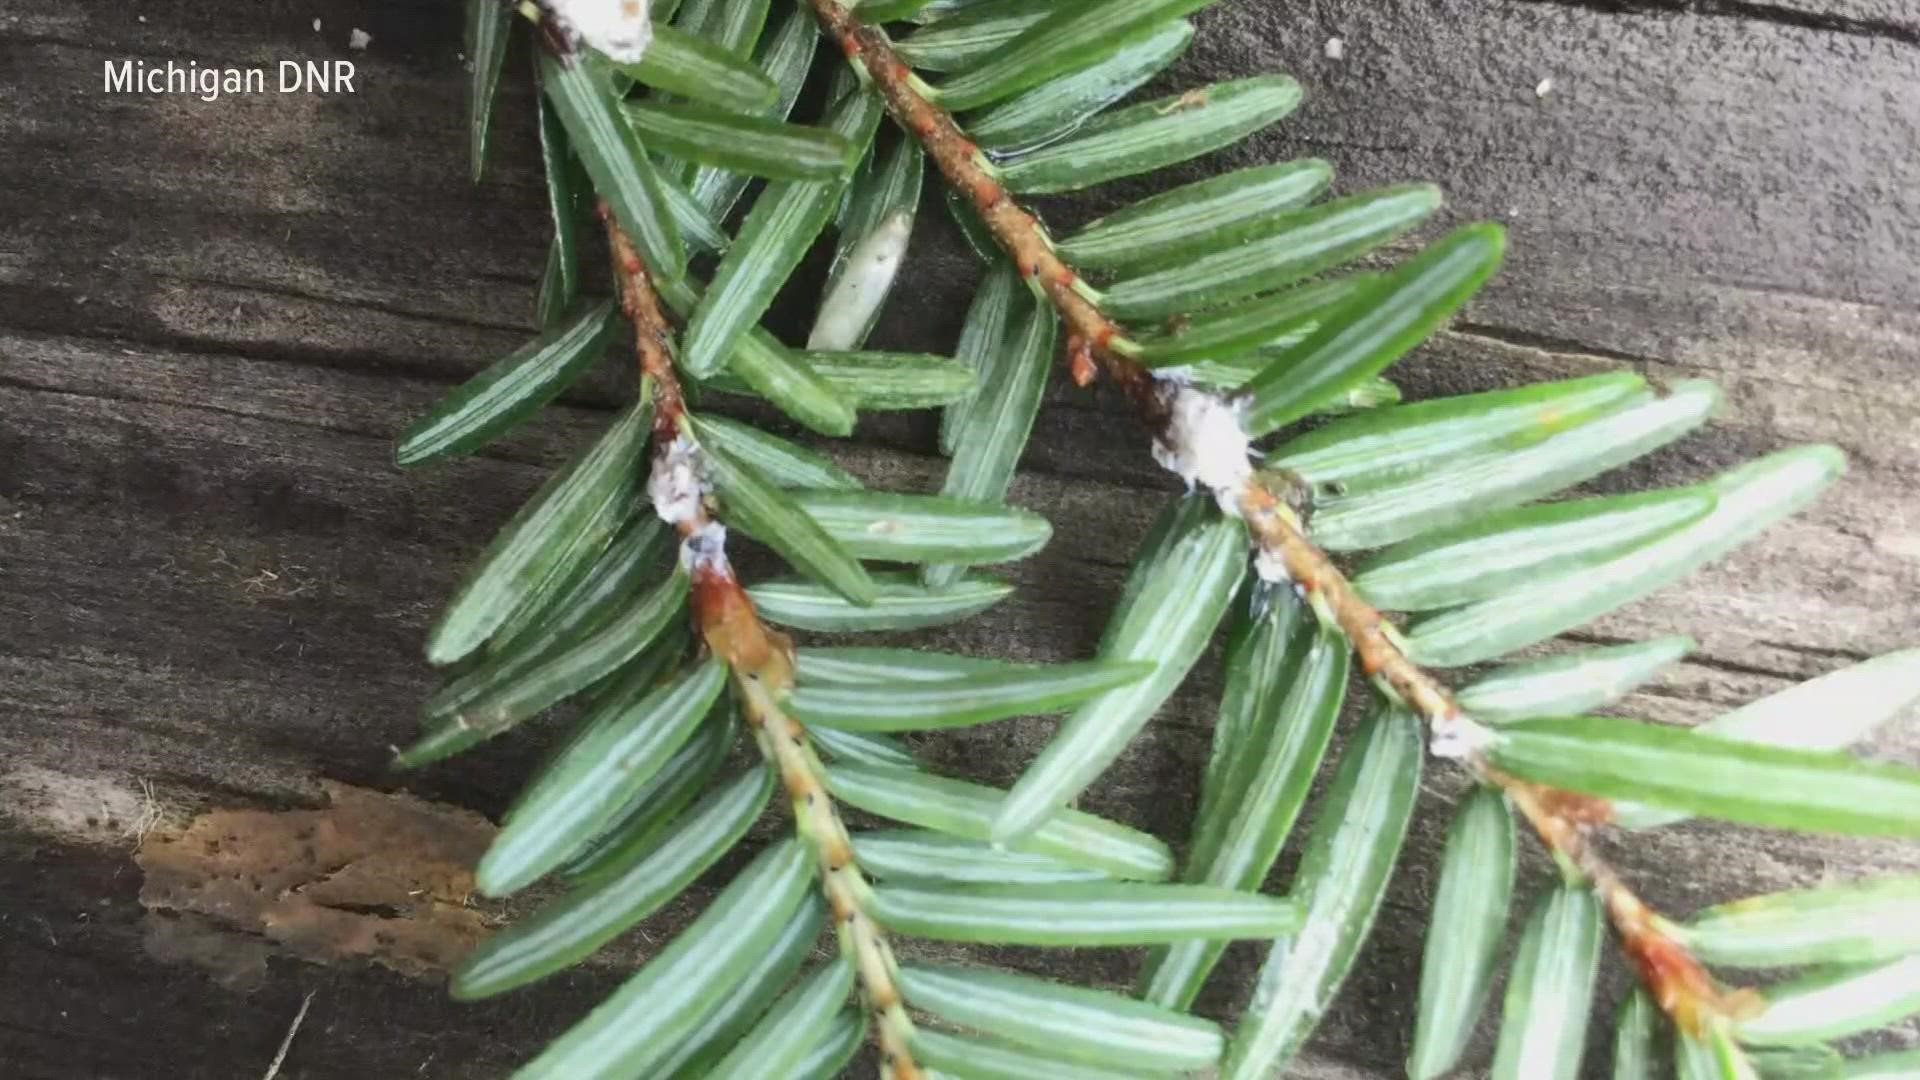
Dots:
(211, 83)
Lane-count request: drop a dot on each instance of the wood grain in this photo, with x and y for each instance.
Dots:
(215, 316)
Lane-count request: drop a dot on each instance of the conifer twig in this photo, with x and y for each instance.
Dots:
(651, 331)
(784, 740)
(1090, 334)
(761, 660)
(1674, 977)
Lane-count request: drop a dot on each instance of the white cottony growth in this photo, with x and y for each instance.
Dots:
(1459, 737)
(678, 482)
(1267, 564)
(622, 29)
(705, 548)
(678, 487)
(1204, 443)
(848, 310)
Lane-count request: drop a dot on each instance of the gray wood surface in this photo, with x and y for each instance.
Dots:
(215, 316)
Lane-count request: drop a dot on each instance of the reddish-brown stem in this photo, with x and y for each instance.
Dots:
(761, 660)
(722, 611)
(1674, 977)
(651, 330)
(1275, 530)
(1017, 231)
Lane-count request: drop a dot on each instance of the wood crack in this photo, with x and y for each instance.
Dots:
(1771, 14)
(1699, 659)
(10, 382)
(1548, 343)
(344, 361)
(1849, 656)
(287, 292)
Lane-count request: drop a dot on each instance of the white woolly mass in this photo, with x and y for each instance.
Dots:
(849, 308)
(622, 29)
(677, 484)
(1268, 565)
(1205, 444)
(1459, 737)
(706, 549)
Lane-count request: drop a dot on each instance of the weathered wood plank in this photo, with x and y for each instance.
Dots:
(213, 316)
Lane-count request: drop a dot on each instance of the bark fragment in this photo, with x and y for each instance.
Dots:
(373, 876)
